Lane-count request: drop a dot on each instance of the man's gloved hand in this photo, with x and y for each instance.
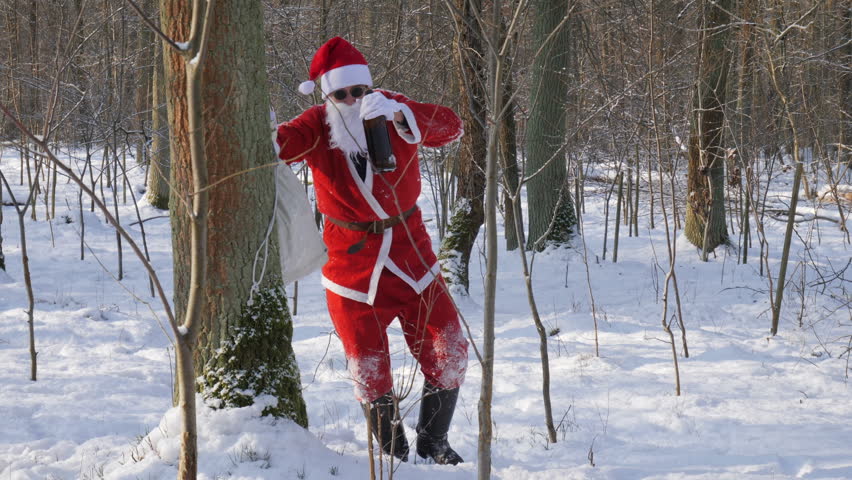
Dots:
(376, 105)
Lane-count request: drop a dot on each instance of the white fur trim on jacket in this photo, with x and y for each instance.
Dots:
(366, 188)
(417, 285)
(381, 261)
(413, 135)
(344, 291)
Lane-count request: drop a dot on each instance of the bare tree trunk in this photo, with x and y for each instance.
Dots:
(120, 256)
(785, 252)
(794, 197)
(33, 97)
(468, 215)
(25, 261)
(551, 210)
(147, 58)
(2, 256)
(86, 166)
(705, 212)
(671, 249)
(743, 112)
(651, 180)
(243, 345)
(511, 180)
(845, 113)
(495, 69)
(159, 166)
(628, 201)
(187, 67)
(542, 333)
(638, 169)
(620, 195)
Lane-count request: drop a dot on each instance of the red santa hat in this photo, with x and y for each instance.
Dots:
(337, 64)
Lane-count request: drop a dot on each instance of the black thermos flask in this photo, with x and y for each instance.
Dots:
(378, 143)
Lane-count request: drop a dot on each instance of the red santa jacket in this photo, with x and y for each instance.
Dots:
(342, 194)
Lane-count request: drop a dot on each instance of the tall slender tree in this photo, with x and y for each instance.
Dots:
(159, 165)
(551, 216)
(144, 72)
(509, 166)
(246, 329)
(2, 256)
(845, 84)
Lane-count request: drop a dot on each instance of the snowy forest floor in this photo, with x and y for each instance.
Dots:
(753, 406)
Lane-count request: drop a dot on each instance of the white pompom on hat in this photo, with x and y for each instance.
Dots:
(305, 88)
(337, 64)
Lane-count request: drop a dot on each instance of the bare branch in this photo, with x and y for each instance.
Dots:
(156, 29)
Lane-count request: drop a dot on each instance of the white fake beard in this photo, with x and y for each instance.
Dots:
(347, 129)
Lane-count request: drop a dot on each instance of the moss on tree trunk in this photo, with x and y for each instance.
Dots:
(256, 358)
(458, 242)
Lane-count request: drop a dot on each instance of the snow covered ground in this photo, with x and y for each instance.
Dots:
(753, 406)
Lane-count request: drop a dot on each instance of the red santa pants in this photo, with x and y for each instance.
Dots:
(429, 323)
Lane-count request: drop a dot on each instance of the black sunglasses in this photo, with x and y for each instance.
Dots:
(356, 92)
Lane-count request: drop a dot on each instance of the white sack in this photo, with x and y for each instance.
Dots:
(300, 243)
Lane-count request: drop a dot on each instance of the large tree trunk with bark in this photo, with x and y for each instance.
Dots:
(551, 209)
(243, 345)
(468, 214)
(705, 208)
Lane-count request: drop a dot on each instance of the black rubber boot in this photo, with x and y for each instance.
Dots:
(387, 427)
(436, 413)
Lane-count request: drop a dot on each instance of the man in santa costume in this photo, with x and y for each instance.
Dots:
(381, 265)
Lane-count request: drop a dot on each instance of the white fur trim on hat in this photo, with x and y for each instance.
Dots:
(305, 88)
(345, 76)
